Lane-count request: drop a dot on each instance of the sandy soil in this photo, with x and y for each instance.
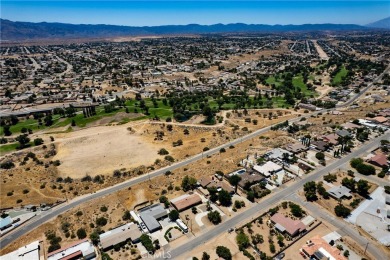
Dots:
(320, 51)
(102, 149)
(227, 240)
(148, 191)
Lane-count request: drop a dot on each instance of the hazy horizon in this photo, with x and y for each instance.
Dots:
(155, 13)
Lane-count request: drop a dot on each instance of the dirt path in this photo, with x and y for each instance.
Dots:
(320, 51)
(45, 196)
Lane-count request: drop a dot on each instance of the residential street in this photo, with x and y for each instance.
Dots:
(343, 228)
(286, 193)
(48, 215)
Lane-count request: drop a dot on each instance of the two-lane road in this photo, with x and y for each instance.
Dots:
(274, 199)
(48, 215)
(343, 228)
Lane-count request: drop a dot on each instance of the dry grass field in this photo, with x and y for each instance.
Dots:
(148, 191)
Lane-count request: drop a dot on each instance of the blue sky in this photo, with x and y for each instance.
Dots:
(138, 13)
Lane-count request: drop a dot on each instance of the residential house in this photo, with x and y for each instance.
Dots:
(150, 216)
(317, 248)
(379, 160)
(296, 148)
(287, 225)
(82, 249)
(186, 201)
(250, 178)
(268, 168)
(350, 126)
(28, 252)
(343, 133)
(129, 231)
(278, 154)
(307, 106)
(212, 181)
(340, 192)
(304, 167)
(331, 139)
(379, 119)
(320, 145)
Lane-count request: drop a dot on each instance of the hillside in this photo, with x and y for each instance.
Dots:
(384, 24)
(11, 31)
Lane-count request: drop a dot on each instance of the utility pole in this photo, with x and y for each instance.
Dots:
(366, 247)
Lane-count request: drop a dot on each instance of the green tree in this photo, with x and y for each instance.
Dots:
(102, 221)
(363, 187)
(355, 162)
(163, 151)
(6, 130)
(342, 211)
(126, 215)
(173, 215)
(213, 191)
(224, 198)
(310, 191)
(251, 196)
(320, 156)
(94, 236)
(242, 241)
(23, 140)
(296, 210)
(81, 233)
(205, 256)
(235, 180)
(224, 252)
(349, 183)
(365, 169)
(214, 217)
(257, 239)
(38, 141)
(330, 178)
(147, 243)
(48, 120)
(188, 183)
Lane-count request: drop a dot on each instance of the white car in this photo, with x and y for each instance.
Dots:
(144, 228)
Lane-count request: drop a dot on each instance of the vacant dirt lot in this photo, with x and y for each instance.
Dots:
(102, 149)
(150, 190)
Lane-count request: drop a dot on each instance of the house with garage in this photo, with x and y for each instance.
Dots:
(119, 235)
(340, 192)
(287, 225)
(150, 216)
(186, 201)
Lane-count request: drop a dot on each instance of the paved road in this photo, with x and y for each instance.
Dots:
(354, 98)
(48, 215)
(343, 228)
(44, 217)
(274, 199)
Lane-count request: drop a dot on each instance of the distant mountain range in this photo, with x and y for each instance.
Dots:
(384, 23)
(24, 31)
